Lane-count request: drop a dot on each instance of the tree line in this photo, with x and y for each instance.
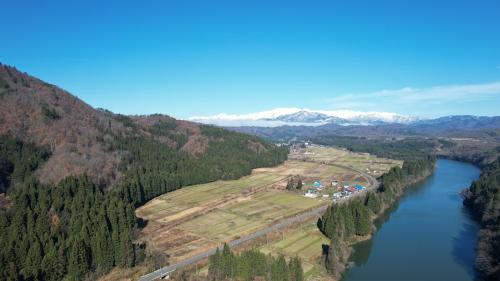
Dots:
(345, 221)
(18, 160)
(252, 264)
(483, 199)
(151, 169)
(405, 149)
(53, 232)
(75, 230)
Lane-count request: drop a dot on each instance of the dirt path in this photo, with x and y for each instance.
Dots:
(316, 212)
(165, 271)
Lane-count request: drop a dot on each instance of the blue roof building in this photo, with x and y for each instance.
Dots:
(359, 187)
(317, 184)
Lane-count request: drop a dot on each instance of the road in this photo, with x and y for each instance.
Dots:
(164, 271)
(372, 181)
(157, 274)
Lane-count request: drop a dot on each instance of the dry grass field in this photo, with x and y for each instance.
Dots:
(193, 219)
(360, 161)
(305, 242)
(248, 216)
(188, 221)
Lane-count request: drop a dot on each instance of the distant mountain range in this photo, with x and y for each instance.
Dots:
(449, 126)
(286, 123)
(305, 117)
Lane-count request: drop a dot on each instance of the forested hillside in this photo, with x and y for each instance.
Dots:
(343, 223)
(406, 149)
(18, 160)
(71, 177)
(151, 169)
(483, 198)
(98, 143)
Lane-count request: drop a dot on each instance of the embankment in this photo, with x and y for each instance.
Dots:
(482, 198)
(351, 222)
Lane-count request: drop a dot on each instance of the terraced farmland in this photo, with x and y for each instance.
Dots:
(249, 215)
(304, 242)
(189, 200)
(191, 220)
(360, 161)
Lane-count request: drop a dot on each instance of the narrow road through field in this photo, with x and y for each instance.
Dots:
(372, 181)
(317, 212)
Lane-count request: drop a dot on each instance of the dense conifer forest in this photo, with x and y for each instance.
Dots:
(151, 169)
(65, 230)
(252, 264)
(18, 160)
(75, 229)
(483, 198)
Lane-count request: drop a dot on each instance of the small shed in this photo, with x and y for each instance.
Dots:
(311, 193)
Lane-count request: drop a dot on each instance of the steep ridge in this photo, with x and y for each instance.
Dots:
(71, 176)
(80, 137)
(46, 115)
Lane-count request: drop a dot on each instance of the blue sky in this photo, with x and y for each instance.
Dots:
(187, 58)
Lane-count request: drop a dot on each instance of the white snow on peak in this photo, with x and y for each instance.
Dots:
(270, 118)
(269, 114)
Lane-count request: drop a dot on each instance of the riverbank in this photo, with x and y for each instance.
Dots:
(353, 222)
(411, 182)
(385, 208)
(426, 235)
(483, 201)
(483, 205)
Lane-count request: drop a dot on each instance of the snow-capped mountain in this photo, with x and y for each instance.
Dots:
(309, 117)
(297, 116)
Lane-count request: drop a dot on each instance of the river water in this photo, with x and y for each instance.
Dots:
(427, 235)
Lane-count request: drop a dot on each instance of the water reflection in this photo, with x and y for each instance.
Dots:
(426, 235)
(363, 249)
(462, 246)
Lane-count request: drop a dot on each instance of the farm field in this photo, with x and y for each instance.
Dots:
(305, 242)
(188, 221)
(189, 201)
(248, 216)
(365, 162)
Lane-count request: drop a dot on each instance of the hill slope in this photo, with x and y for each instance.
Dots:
(45, 115)
(71, 176)
(80, 138)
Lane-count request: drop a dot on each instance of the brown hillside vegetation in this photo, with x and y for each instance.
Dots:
(196, 143)
(77, 134)
(47, 115)
(96, 167)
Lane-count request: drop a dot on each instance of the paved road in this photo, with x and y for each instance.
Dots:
(164, 271)
(157, 274)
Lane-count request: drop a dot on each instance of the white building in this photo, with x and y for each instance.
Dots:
(311, 193)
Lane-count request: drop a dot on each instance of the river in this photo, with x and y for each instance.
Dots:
(427, 235)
